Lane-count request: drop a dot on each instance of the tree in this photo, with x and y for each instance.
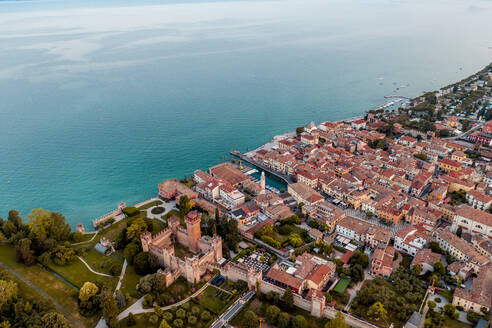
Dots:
(109, 307)
(337, 322)
(271, 314)
(178, 323)
(449, 310)
(472, 317)
(184, 204)
(154, 319)
(288, 298)
(9, 291)
(283, 320)
(137, 228)
(54, 320)
(130, 251)
(39, 221)
(299, 322)
(459, 231)
(144, 263)
(416, 269)
(164, 324)
(131, 320)
(295, 240)
(87, 290)
(23, 252)
(378, 312)
(439, 268)
(115, 269)
(250, 319)
(205, 316)
(431, 304)
(299, 130)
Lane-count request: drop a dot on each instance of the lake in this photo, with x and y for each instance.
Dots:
(102, 100)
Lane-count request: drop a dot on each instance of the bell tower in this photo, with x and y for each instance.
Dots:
(262, 182)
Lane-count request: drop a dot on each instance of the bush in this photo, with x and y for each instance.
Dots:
(131, 211)
(180, 313)
(115, 269)
(192, 320)
(168, 316)
(472, 317)
(195, 310)
(148, 301)
(437, 300)
(131, 320)
(157, 210)
(205, 316)
(153, 319)
(178, 323)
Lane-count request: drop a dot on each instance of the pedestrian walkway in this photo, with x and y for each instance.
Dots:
(87, 241)
(93, 271)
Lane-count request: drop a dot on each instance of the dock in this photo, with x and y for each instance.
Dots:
(284, 177)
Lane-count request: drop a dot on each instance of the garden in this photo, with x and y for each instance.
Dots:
(215, 300)
(189, 314)
(283, 235)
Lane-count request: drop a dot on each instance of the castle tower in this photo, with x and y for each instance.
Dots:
(262, 182)
(318, 302)
(193, 230)
(145, 238)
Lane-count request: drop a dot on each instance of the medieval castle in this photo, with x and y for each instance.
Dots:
(207, 251)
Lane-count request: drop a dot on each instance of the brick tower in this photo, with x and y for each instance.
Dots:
(193, 230)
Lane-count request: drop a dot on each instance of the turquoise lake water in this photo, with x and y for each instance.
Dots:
(102, 100)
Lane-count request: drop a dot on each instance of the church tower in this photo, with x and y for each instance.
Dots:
(262, 182)
(193, 230)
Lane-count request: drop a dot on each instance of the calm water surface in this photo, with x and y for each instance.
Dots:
(102, 100)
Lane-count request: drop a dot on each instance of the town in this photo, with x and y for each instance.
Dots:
(382, 221)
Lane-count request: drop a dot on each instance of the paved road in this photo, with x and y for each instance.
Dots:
(232, 310)
(43, 294)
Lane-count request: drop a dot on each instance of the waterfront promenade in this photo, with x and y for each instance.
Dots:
(284, 177)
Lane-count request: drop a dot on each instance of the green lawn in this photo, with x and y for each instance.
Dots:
(77, 274)
(151, 204)
(450, 323)
(65, 295)
(342, 285)
(102, 263)
(215, 300)
(86, 236)
(129, 283)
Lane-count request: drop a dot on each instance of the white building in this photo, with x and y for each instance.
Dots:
(410, 240)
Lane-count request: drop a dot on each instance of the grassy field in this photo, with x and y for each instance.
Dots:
(342, 285)
(86, 237)
(77, 274)
(151, 204)
(450, 323)
(215, 300)
(65, 295)
(260, 308)
(129, 283)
